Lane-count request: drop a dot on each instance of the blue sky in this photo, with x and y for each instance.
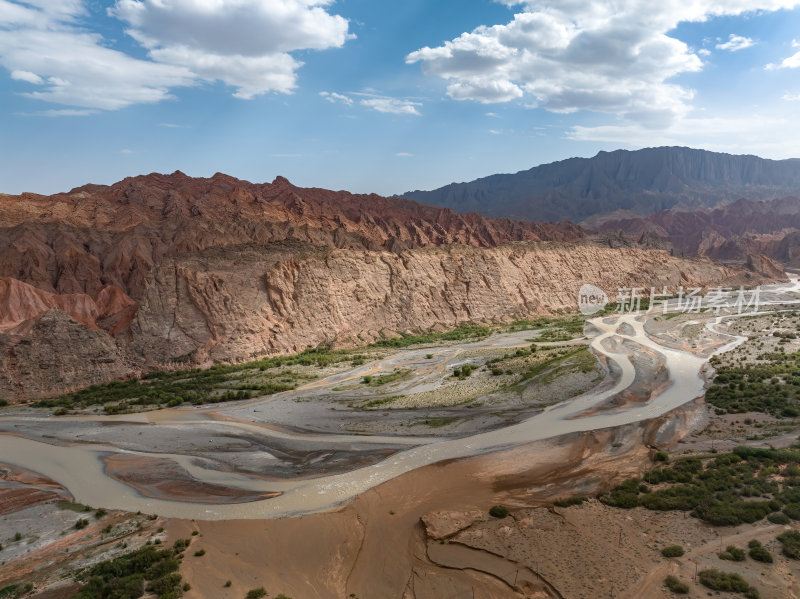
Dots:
(383, 97)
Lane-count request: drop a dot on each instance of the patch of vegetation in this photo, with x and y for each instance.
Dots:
(569, 501)
(758, 553)
(221, 383)
(661, 456)
(498, 511)
(791, 543)
(464, 372)
(81, 524)
(14, 591)
(461, 333)
(256, 593)
(381, 401)
(728, 490)
(3, 403)
(63, 504)
(385, 379)
(733, 554)
(771, 387)
(676, 585)
(728, 582)
(672, 551)
(129, 576)
(779, 518)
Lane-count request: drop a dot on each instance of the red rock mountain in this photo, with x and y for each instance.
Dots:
(105, 281)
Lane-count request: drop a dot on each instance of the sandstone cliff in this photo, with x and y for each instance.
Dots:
(226, 305)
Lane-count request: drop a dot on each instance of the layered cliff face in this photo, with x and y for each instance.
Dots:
(104, 282)
(236, 305)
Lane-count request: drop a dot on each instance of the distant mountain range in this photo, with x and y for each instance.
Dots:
(638, 182)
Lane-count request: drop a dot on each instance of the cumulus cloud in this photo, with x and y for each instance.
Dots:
(575, 55)
(736, 43)
(41, 44)
(792, 62)
(27, 76)
(244, 43)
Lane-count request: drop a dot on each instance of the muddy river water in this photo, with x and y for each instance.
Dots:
(79, 465)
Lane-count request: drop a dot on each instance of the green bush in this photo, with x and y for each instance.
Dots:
(81, 523)
(733, 554)
(760, 554)
(723, 581)
(675, 585)
(129, 576)
(791, 543)
(661, 456)
(498, 511)
(672, 551)
(778, 518)
(569, 501)
(256, 593)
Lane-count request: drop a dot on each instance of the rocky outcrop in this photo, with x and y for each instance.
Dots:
(55, 354)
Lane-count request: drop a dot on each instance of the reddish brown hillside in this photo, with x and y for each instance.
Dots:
(95, 236)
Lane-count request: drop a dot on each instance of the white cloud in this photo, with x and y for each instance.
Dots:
(791, 97)
(27, 76)
(736, 43)
(791, 62)
(704, 52)
(371, 98)
(244, 43)
(391, 105)
(404, 155)
(612, 57)
(335, 98)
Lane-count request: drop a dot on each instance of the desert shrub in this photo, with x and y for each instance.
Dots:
(760, 554)
(256, 593)
(724, 581)
(778, 518)
(675, 585)
(733, 554)
(81, 523)
(569, 501)
(672, 551)
(498, 511)
(791, 543)
(661, 456)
